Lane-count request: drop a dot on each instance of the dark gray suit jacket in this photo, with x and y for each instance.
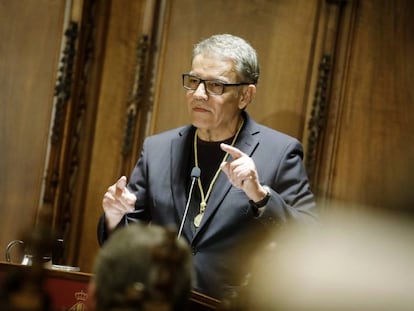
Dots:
(229, 233)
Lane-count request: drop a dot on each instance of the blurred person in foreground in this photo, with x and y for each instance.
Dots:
(252, 177)
(142, 268)
(357, 258)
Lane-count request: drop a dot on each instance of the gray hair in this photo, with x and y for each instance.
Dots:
(143, 264)
(234, 48)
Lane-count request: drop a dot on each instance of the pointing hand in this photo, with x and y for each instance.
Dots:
(117, 201)
(242, 173)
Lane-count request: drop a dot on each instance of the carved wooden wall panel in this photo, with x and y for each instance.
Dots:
(121, 47)
(69, 206)
(335, 74)
(333, 23)
(367, 153)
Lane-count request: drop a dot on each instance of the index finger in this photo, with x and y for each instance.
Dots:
(120, 186)
(233, 151)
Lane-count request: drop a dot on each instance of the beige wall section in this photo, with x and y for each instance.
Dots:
(281, 32)
(30, 34)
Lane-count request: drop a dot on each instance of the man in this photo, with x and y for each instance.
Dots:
(142, 268)
(252, 177)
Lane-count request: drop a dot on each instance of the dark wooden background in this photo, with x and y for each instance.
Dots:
(82, 82)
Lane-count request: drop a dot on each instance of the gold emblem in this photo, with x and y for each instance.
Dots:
(80, 305)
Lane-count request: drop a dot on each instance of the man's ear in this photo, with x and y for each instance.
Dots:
(91, 299)
(248, 93)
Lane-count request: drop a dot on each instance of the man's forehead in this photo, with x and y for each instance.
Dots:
(212, 66)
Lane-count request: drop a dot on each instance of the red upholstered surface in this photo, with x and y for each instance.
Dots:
(67, 290)
(66, 293)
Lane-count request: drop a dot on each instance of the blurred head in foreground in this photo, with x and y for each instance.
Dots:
(353, 261)
(142, 268)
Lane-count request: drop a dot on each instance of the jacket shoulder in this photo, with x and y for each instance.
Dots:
(169, 134)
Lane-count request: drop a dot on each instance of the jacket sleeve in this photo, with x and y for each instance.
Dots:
(291, 198)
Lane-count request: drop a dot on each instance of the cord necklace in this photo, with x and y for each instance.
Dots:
(204, 197)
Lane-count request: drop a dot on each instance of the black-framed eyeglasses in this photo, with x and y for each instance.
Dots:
(215, 87)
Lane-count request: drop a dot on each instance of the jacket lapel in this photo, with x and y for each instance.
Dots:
(180, 149)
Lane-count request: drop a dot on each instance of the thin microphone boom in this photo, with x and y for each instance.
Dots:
(195, 174)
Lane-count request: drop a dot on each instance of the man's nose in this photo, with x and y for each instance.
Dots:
(201, 91)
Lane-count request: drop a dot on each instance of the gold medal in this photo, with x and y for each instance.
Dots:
(199, 217)
(197, 220)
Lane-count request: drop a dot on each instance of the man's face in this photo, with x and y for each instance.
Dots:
(214, 113)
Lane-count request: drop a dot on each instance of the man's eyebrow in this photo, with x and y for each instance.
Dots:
(208, 79)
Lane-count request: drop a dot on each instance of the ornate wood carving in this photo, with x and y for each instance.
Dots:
(68, 132)
(136, 98)
(141, 99)
(318, 114)
(62, 95)
(76, 124)
(330, 23)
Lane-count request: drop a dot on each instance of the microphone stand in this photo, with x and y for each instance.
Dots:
(195, 174)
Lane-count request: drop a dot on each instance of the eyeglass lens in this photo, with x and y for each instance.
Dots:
(212, 86)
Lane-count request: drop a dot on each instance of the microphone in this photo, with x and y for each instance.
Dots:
(195, 174)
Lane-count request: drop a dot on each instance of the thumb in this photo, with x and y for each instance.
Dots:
(120, 185)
